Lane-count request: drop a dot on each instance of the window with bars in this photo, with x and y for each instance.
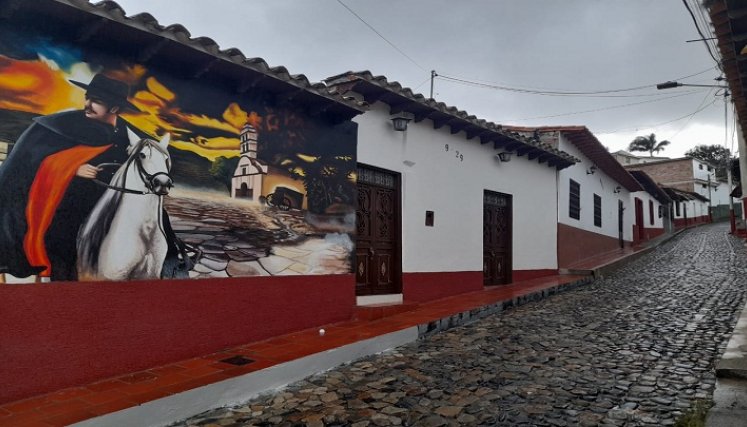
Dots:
(651, 211)
(597, 210)
(574, 205)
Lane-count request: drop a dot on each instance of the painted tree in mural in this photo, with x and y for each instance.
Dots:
(223, 168)
(717, 155)
(326, 178)
(647, 143)
(311, 154)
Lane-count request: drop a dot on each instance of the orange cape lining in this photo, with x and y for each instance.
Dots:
(52, 179)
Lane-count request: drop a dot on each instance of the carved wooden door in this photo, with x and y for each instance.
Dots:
(496, 238)
(377, 256)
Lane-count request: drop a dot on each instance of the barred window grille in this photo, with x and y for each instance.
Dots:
(574, 205)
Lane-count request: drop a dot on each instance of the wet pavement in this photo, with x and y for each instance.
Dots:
(239, 238)
(637, 348)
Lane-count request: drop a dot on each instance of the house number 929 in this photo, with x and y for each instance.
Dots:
(458, 155)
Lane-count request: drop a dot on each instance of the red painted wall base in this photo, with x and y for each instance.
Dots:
(65, 334)
(682, 222)
(575, 244)
(646, 234)
(421, 287)
(522, 275)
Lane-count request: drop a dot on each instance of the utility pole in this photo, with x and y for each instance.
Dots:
(433, 76)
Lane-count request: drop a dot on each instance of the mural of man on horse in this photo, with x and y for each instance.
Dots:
(47, 183)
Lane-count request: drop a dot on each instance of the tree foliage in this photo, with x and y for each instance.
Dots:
(647, 143)
(223, 168)
(716, 155)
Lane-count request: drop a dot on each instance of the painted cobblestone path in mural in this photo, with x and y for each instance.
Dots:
(634, 349)
(238, 238)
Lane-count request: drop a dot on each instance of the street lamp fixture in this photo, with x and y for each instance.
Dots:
(670, 84)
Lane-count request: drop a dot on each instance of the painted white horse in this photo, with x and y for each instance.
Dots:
(123, 238)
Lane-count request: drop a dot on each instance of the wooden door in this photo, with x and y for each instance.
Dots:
(496, 238)
(620, 210)
(378, 266)
(639, 224)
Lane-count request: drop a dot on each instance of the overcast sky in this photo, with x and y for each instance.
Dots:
(546, 45)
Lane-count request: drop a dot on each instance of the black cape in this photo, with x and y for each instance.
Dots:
(46, 136)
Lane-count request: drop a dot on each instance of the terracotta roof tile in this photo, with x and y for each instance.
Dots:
(589, 145)
(378, 88)
(177, 32)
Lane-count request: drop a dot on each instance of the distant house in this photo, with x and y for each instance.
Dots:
(692, 176)
(653, 208)
(447, 202)
(625, 158)
(684, 173)
(689, 208)
(594, 195)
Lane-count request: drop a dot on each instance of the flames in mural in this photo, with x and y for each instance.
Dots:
(35, 87)
(40, 87)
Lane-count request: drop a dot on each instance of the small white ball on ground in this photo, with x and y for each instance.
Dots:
(322, 332)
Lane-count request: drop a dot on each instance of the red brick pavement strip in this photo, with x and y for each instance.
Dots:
(79, 403)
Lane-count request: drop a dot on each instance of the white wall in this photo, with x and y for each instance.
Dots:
(453, 188)
(695, 208)
(720, 194)
(598, 183)
(645, 198)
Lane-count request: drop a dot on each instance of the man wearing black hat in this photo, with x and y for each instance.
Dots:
(46, 183)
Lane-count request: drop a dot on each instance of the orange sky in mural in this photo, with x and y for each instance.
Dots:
(161, 113)
(34, 87)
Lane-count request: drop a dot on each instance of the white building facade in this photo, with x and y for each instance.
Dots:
(595, 213)
(455, 190)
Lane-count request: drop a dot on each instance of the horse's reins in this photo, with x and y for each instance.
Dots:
(148, 181)
(147, 178)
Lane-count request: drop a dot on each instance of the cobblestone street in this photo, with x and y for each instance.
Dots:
(635, 348)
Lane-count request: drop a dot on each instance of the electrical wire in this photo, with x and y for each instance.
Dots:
(659, 124)
(380, 35)
(421, 84)
(552, 92)
(710, 91)
(697, 27)
(605, 108)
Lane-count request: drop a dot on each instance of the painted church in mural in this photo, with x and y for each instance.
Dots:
(114, 171)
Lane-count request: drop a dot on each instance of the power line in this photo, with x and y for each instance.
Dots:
(662, 123)
(605, 108)
(710, 91)
(380, 35)
(553, 92)
(547, 93)
(697, 27)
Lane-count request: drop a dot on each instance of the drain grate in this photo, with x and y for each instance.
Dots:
(238, 360)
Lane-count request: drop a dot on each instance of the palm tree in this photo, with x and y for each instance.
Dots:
(647, 143)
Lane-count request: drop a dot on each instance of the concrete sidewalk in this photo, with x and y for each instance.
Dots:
(730, 396)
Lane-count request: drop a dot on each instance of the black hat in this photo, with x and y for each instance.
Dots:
(109, 90)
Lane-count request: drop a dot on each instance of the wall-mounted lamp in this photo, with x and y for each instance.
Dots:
(617, 189)
(504, 156)
(400, 120)
(591, 170)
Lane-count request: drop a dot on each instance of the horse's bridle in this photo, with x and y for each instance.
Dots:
(147, 178)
